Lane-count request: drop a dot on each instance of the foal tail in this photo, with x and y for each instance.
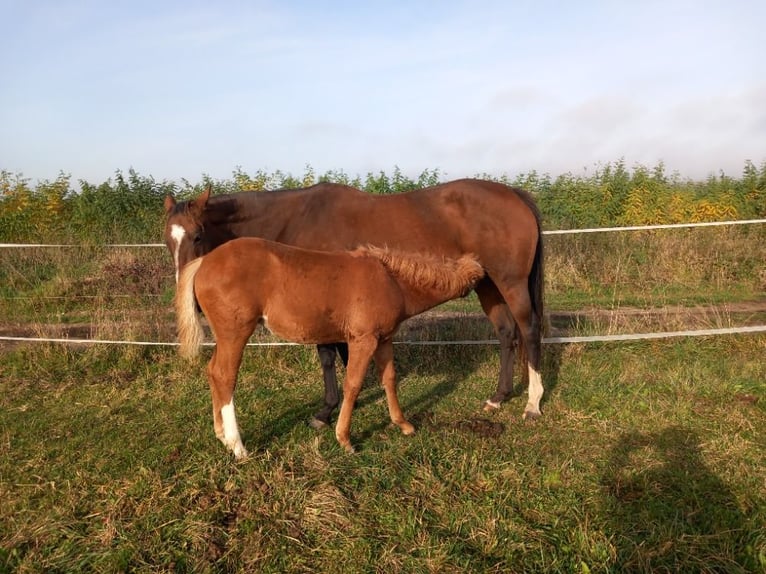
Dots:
(190, 333)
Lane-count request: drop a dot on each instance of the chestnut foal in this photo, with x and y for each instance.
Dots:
(307, 296)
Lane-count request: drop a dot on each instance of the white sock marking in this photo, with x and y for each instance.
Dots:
(535, 391)
(177, 233)
(231, 436)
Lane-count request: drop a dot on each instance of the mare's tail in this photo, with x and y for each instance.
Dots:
(535, 288)
(535, 283)
(190, 333)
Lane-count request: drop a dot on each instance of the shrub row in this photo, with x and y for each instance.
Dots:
(128, 208)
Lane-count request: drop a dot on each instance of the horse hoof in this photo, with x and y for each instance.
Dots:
(490, 406)
(407, 429)
(316, 424)
(531, 416)
(240, 453)
(349, 449)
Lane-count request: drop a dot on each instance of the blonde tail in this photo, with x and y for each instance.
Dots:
(190, 333)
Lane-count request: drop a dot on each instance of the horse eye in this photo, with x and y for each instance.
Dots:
(197, 238)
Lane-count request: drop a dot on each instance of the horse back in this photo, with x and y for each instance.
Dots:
(490, 219)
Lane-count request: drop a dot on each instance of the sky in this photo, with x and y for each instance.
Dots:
(178, 89)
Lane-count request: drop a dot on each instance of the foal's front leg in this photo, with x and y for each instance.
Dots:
(384, 359)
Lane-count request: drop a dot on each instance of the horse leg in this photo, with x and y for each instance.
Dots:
(500, 316)
(331, 396)
(530, 327)
(384, 359)
(342, 349)
(222, 378)
(360, 353)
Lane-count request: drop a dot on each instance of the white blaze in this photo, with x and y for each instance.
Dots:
(177, 233)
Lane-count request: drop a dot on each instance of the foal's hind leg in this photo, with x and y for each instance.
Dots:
(360, 353)
(499, 314)
(384, 359)
(222, 377)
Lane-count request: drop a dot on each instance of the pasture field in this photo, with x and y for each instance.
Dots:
(650, 455)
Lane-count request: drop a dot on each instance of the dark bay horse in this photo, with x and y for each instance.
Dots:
(500, 224)
(308, 296)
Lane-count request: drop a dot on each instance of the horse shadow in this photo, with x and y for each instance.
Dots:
(451, 364)
(674, 510)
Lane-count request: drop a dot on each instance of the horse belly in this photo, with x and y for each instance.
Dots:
(304, 328)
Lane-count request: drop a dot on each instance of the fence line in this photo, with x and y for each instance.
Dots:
(546, 340)
(549, 340)
(56, 245)
(548, 232)
(651, 227)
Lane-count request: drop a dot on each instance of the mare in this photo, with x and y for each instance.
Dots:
(308, 296)
(498, 223)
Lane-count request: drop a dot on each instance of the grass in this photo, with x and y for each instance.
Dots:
(649, 458)
(655, 268)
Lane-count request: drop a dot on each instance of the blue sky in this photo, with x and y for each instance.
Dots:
(177, 89)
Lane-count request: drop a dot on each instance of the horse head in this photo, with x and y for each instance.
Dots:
(185, 229)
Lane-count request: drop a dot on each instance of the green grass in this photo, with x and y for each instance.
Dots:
(649, 458)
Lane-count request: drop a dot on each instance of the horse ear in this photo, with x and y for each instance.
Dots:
(170, 203)
(201, 202)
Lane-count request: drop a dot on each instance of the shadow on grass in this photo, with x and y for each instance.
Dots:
(460, 360)
(452, 364)
(667, 510)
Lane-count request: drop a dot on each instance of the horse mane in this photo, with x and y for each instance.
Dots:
(453, 276)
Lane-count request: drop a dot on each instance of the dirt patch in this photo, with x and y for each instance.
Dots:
(479, 426)
(43, 331)
(462, 325)
(122, 272)
(746, 398)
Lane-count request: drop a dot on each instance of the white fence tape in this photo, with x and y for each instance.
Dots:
(31, 245)
(651, 227)
(547, 340)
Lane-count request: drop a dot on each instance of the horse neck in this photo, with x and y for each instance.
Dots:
(247, 214)
(418, 299)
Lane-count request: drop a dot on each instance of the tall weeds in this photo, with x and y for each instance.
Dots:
(128, 208)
